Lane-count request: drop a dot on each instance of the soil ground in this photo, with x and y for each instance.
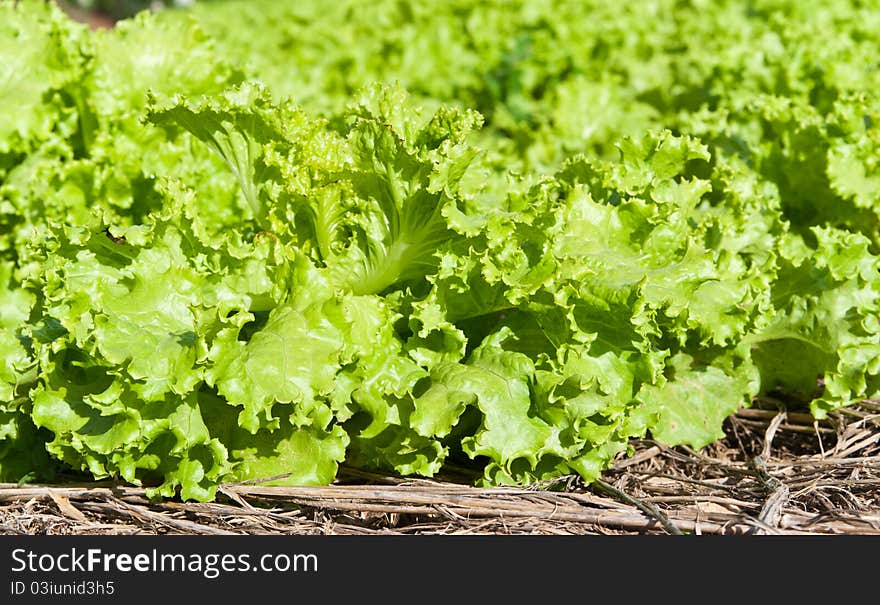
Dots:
(775, 472)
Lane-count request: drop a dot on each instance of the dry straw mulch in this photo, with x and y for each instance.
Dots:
(776, 472)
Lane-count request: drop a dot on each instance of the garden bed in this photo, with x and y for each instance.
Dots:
(774, 473)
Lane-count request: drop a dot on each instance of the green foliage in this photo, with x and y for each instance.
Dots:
(255, 240)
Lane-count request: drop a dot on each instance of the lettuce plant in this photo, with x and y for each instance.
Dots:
(398, 235)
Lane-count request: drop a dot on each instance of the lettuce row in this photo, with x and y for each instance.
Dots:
(202, 281)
